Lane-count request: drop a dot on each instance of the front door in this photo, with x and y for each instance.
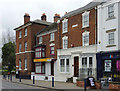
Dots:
(76, 66)
(52, 67)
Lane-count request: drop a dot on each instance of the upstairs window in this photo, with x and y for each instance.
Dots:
(40, 52)
(52, 37)
(25, 46)
(25, 31)
(20, 47)
(110, 11)
(65, 42)
(20, 34)
(111, 39)
(85, 19)
(40, 39)
(85, 38)
(52, 50)
(65, 26)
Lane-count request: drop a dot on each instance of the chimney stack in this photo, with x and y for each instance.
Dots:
(43, 17)
(26, 18)
(56, 17)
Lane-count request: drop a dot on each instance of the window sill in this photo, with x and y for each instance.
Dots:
(110, 18)
(25, 36)
(86, 45)
(51, 40)
(40, 43)
(64, 32)
(85, 26)
(20, 37)
(25, 69)
(110, 45)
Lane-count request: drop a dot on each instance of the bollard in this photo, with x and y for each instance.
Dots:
(11, 78)
(85, 84)
(20, 78)
(33, 79)
(52, 81)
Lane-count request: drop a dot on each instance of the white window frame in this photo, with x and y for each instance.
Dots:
(20, 65)
(20, 47)
(88, 62)
(25, 63)
(84, 34)
(111, 39)
(25, 32)
(65, 26)
(20, 34)
(111, 11)
(25, 46)
(65, 42)
(40, 40)
(66, 68)
(52, 36)
(85, 22)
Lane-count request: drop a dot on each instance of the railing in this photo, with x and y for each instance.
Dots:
(87, 72)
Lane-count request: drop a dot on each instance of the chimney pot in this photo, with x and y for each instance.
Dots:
(43, 17)
(56, 17)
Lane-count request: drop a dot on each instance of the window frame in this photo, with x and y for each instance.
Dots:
(20, 64)
(52, 36)
(40, 40)
(20, 47)
(26, 66)
(84, 36)
(65, 25)
(20, 34)
(85, 19)
(25, 46)
(65, 42)
(41, 65)
(25, 32)
(111, 39)
(39, 52)
(52, 50)
(111, 11)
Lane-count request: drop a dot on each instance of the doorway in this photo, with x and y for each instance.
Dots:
(76, 66)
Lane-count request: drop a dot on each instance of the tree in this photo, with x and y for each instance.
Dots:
(8, 55)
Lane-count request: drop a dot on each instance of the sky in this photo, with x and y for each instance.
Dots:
(12, 11)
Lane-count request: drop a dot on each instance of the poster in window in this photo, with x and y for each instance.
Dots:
(107, 65)
(118, 65)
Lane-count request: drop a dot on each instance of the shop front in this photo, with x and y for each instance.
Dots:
(44, 69)
(108, 65)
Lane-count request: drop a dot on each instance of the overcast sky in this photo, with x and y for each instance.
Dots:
(12, 11)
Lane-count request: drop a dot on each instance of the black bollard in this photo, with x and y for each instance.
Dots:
(11, 78)
(33, 79)
(52, 81)
(85, 84)
(20, 78)
(8, 77)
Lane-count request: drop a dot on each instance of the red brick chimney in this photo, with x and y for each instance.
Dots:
(26, 18)
(56, 17)
(43, 17)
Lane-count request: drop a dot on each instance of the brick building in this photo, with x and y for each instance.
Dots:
(25, 42)
(46, 52)
(76, 54)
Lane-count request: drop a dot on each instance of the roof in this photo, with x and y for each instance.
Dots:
(37, 21)
(79, 10)
(49, 28)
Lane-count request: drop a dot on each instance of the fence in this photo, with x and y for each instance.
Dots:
(87, 72)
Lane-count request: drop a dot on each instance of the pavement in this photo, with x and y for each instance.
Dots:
(61, 86)
(46, 84)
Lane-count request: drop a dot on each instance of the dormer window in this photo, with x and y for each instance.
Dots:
(65, 26)
(85, 19)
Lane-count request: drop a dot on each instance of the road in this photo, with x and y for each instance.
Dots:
(8, 86)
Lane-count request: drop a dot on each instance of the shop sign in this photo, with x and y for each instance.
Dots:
(107, 65)
(91, 81)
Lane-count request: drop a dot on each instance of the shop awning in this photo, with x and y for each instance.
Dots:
(43, 60)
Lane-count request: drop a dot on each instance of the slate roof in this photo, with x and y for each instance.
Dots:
(79, 10)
